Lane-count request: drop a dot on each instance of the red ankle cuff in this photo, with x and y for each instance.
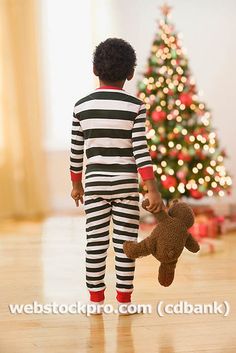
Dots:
(97, 296)
(123, 297)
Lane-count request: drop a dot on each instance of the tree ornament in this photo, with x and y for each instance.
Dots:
(169, 181)
(196, 194)
(186, 99)
(181, 174)
(165, 9)
(142, 86)
(173, 152)
(202, 188)
(192, 151)
(158, 116)
(154, 59)
(160, 94)
(155, 139)
(173, 54)
(153, 154)
(149, 71)
(171, 136)
(184, 156)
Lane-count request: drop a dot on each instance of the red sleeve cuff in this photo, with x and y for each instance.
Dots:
(75, 176)
(146, 173)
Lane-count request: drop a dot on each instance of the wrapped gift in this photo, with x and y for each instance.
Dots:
(205, 227)
(213, 229)
(199, 230)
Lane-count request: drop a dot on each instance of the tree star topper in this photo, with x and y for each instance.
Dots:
(165, 9)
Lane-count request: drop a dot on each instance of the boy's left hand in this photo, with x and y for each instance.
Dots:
(77, 193)
(155, 202)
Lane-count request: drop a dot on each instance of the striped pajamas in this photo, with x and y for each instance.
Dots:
(109, 125)
(116, 199)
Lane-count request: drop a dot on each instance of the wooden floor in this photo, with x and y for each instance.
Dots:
(45, 263)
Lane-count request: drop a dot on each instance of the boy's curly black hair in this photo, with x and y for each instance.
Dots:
(114, 60)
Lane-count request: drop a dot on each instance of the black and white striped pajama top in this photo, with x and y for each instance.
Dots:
(109, 127)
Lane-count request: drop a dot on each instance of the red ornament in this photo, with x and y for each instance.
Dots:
(162, 138)
(184, 156)
(186, 99)
(149, 71)
(153, 154)
(169, 181)
(187, 139)
(202, 130)
(181, 175)
(159, 115)
(199, 131)
(173, 153)
(196, 194)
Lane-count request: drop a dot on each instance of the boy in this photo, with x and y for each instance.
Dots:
(109, 125)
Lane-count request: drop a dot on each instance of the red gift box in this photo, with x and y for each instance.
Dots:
(212, 225)
(199, 230)
(205, 227)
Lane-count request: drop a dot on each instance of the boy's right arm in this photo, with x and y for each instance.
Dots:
(144, 161)
(76, 160)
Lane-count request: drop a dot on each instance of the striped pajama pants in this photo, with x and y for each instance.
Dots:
(110, 197)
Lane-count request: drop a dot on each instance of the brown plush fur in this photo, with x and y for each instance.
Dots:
(167, 240)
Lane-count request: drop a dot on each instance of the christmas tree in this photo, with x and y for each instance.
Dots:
(186, 155)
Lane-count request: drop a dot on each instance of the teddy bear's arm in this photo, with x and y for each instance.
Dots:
(191, 244)
(134, 250)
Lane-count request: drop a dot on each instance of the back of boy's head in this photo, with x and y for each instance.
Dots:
(114, 60)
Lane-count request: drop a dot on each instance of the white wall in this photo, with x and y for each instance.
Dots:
(72, 28)
(66, 40)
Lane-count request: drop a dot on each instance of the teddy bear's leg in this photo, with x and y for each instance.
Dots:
(133, 250)
(167, 273)
(191, 244)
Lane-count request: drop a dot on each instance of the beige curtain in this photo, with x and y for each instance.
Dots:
(23, 177)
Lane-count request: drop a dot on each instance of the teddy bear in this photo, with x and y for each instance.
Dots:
(167, 240)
